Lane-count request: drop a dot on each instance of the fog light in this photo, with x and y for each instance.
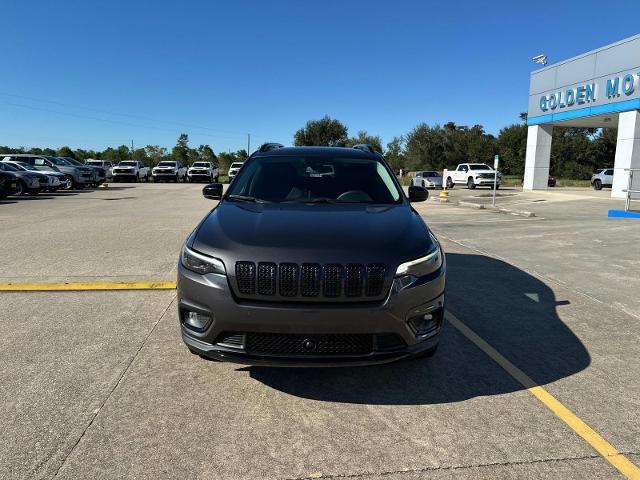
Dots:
(425, 322)
(195, 320)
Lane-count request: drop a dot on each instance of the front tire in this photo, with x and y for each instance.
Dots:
(470, 184)
(597, 184)
(21, 189)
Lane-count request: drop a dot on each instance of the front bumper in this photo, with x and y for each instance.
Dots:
(210, 295)
(202, 174)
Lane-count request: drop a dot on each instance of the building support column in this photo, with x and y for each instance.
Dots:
(627, 151)
(536, 167)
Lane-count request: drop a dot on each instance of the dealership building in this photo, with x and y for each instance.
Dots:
(599, 89)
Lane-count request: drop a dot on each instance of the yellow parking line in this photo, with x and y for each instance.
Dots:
(604, 448)
(79, 286)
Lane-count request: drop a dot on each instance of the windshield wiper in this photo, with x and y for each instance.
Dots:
(325, 200)
(246, 198)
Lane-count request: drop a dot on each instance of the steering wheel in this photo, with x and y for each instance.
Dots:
(355, 196)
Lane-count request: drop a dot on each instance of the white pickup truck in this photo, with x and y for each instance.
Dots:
(206, 171)
(472, 175)
(131, 170)
(168, 170)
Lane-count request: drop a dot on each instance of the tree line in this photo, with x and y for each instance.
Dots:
(150, 155)
(575, 152)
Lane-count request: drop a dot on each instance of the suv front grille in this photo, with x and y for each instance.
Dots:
(310, 279)
(297, 344)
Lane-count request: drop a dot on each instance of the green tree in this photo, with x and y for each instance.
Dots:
(181, 151)
(116, 155)
(363, 137)
(324, 132)
(512, 147)
(140, 154)
(65, 152)
(395, 154)
(155, 153)
(205, 152)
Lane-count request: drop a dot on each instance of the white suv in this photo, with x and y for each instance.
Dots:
(602, 177)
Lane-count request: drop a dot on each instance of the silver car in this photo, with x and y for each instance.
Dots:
(427, 179)
(31, 183)
(56, 179)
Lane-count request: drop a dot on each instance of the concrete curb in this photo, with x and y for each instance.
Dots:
(480, 206)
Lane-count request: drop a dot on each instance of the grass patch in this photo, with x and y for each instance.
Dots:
(569, 182)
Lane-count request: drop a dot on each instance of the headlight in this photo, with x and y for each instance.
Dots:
(423, 265)
(199, 263)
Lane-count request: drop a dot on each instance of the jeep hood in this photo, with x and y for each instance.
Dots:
(318, 233)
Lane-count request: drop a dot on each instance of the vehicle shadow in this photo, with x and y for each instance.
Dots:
(510, 309)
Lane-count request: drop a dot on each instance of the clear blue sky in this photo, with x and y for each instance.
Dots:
(93, 74)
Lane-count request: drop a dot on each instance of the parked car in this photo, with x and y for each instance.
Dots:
(80, 176)
(206, 171)
(8, 184)
(314, 256)
(57, 179)
(234, 169)
(106, 165)
(472, 175)
(99, 174)
(603, 177)
(30, 183)
(133, 170)
(169, 170)
(427, 179)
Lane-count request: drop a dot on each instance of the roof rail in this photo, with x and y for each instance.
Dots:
(266, 147)
(365, 147)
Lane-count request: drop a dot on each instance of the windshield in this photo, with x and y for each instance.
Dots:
(480, 167)
(58, 161)
(73, 161)
(430, 174)
(236, 165)
(315, 179)
(167, 164)
(8, 167)
(127, 164)
(200, 164)
(96, 163)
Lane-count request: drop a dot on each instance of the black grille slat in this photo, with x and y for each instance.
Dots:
(246, 277)
(375, 279)
(310, 279)
(267, 276)
(353, 280)
(288, 279)
(297, 344)
(332, 280)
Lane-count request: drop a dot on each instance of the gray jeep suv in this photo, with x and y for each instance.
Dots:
(314, 256)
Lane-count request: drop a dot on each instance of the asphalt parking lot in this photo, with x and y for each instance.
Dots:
(97, 384)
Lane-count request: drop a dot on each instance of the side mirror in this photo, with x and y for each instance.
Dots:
(213, 191)
(418, 194)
